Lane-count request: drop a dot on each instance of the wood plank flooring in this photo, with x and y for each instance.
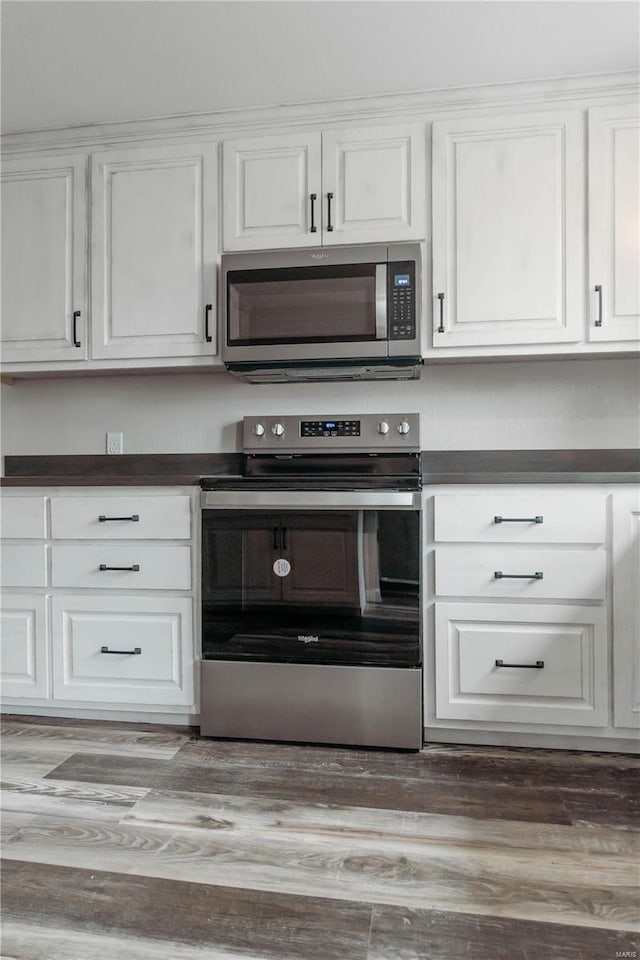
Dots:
(125, 842)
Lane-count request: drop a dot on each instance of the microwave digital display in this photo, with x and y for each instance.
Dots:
(402, 280)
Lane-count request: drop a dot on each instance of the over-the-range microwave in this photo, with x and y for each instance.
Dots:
(344, 313)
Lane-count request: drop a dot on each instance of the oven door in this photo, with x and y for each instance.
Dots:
(335, 311)
(329, 586)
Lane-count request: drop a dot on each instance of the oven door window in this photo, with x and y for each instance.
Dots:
(325, 304)
(325, 587)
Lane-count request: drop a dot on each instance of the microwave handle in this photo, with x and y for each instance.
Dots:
(381, 301)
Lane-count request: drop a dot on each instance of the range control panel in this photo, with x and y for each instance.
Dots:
(329, 428)
(369, 432)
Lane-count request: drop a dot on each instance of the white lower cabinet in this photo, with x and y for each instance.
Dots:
(131, 650)
(626, 609)
(122, 566)
(520, 574)
(23, 565)
(532, 594)
(521, 663)
(24, 650)
(101, 610)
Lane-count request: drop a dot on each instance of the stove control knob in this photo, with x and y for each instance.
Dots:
(277, 429)
(404, 427)
(259, 430)
(383, 427)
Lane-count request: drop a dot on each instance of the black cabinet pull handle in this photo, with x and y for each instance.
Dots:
(441, 299)
(135, 517)
(518, 519)
(125, 652)
(76, 316)
(598, 289)
(313, 197)
(499, 575)
(538, 665)
(207, 334)
(134, 568)
(329, 224)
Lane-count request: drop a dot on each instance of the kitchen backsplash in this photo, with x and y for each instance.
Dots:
(529, 405)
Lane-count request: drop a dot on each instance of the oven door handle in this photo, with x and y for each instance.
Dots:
(309, 499)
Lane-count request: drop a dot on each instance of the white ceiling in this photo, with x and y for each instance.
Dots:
(68, 62)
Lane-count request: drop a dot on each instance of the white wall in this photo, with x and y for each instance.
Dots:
(558, 404)
(191, 57)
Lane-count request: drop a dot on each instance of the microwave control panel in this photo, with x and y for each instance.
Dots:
(402, 301)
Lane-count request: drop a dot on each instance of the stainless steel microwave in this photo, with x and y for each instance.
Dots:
(323, 314)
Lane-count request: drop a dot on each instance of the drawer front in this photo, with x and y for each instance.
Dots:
(130, 650)
(144, 566)
(158, 518)
(23, 565)
(23, 647)
(510, 517)
(521, 663)
(463, 571)
(23, 518)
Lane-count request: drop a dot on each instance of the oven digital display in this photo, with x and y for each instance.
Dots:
(329, 428)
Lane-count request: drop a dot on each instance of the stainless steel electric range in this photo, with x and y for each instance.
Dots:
(311, 600)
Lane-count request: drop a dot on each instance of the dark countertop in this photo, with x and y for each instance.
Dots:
(438, 467)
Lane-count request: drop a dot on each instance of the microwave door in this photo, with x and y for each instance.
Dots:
(307, 313)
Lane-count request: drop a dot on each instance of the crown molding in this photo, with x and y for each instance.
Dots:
(417, 105)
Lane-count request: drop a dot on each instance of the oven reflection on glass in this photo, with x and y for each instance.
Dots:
(332, 586)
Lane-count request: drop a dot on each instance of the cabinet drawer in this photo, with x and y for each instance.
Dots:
(463, 571)
(23, 643)
(23, 518)
(144, 566)
(23, 565)
(123, 518)
(510, 517)
(130, 650)
(570, 642)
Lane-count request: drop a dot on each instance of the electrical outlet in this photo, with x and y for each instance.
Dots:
(114, 443)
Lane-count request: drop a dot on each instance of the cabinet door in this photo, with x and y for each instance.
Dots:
(43, 259)
(508, 230)
(521, 663)
(322, 551)
(272, 192)
(614, 223)
(626, 609)
(134, 650)
(376, 179)
(23, 646)
(154, 252)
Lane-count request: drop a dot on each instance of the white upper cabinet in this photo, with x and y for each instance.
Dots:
(374, 185)
(508, 230)
(614, 223)
(44, 259)
(356, 185)
(154, 252)
(271, 190)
